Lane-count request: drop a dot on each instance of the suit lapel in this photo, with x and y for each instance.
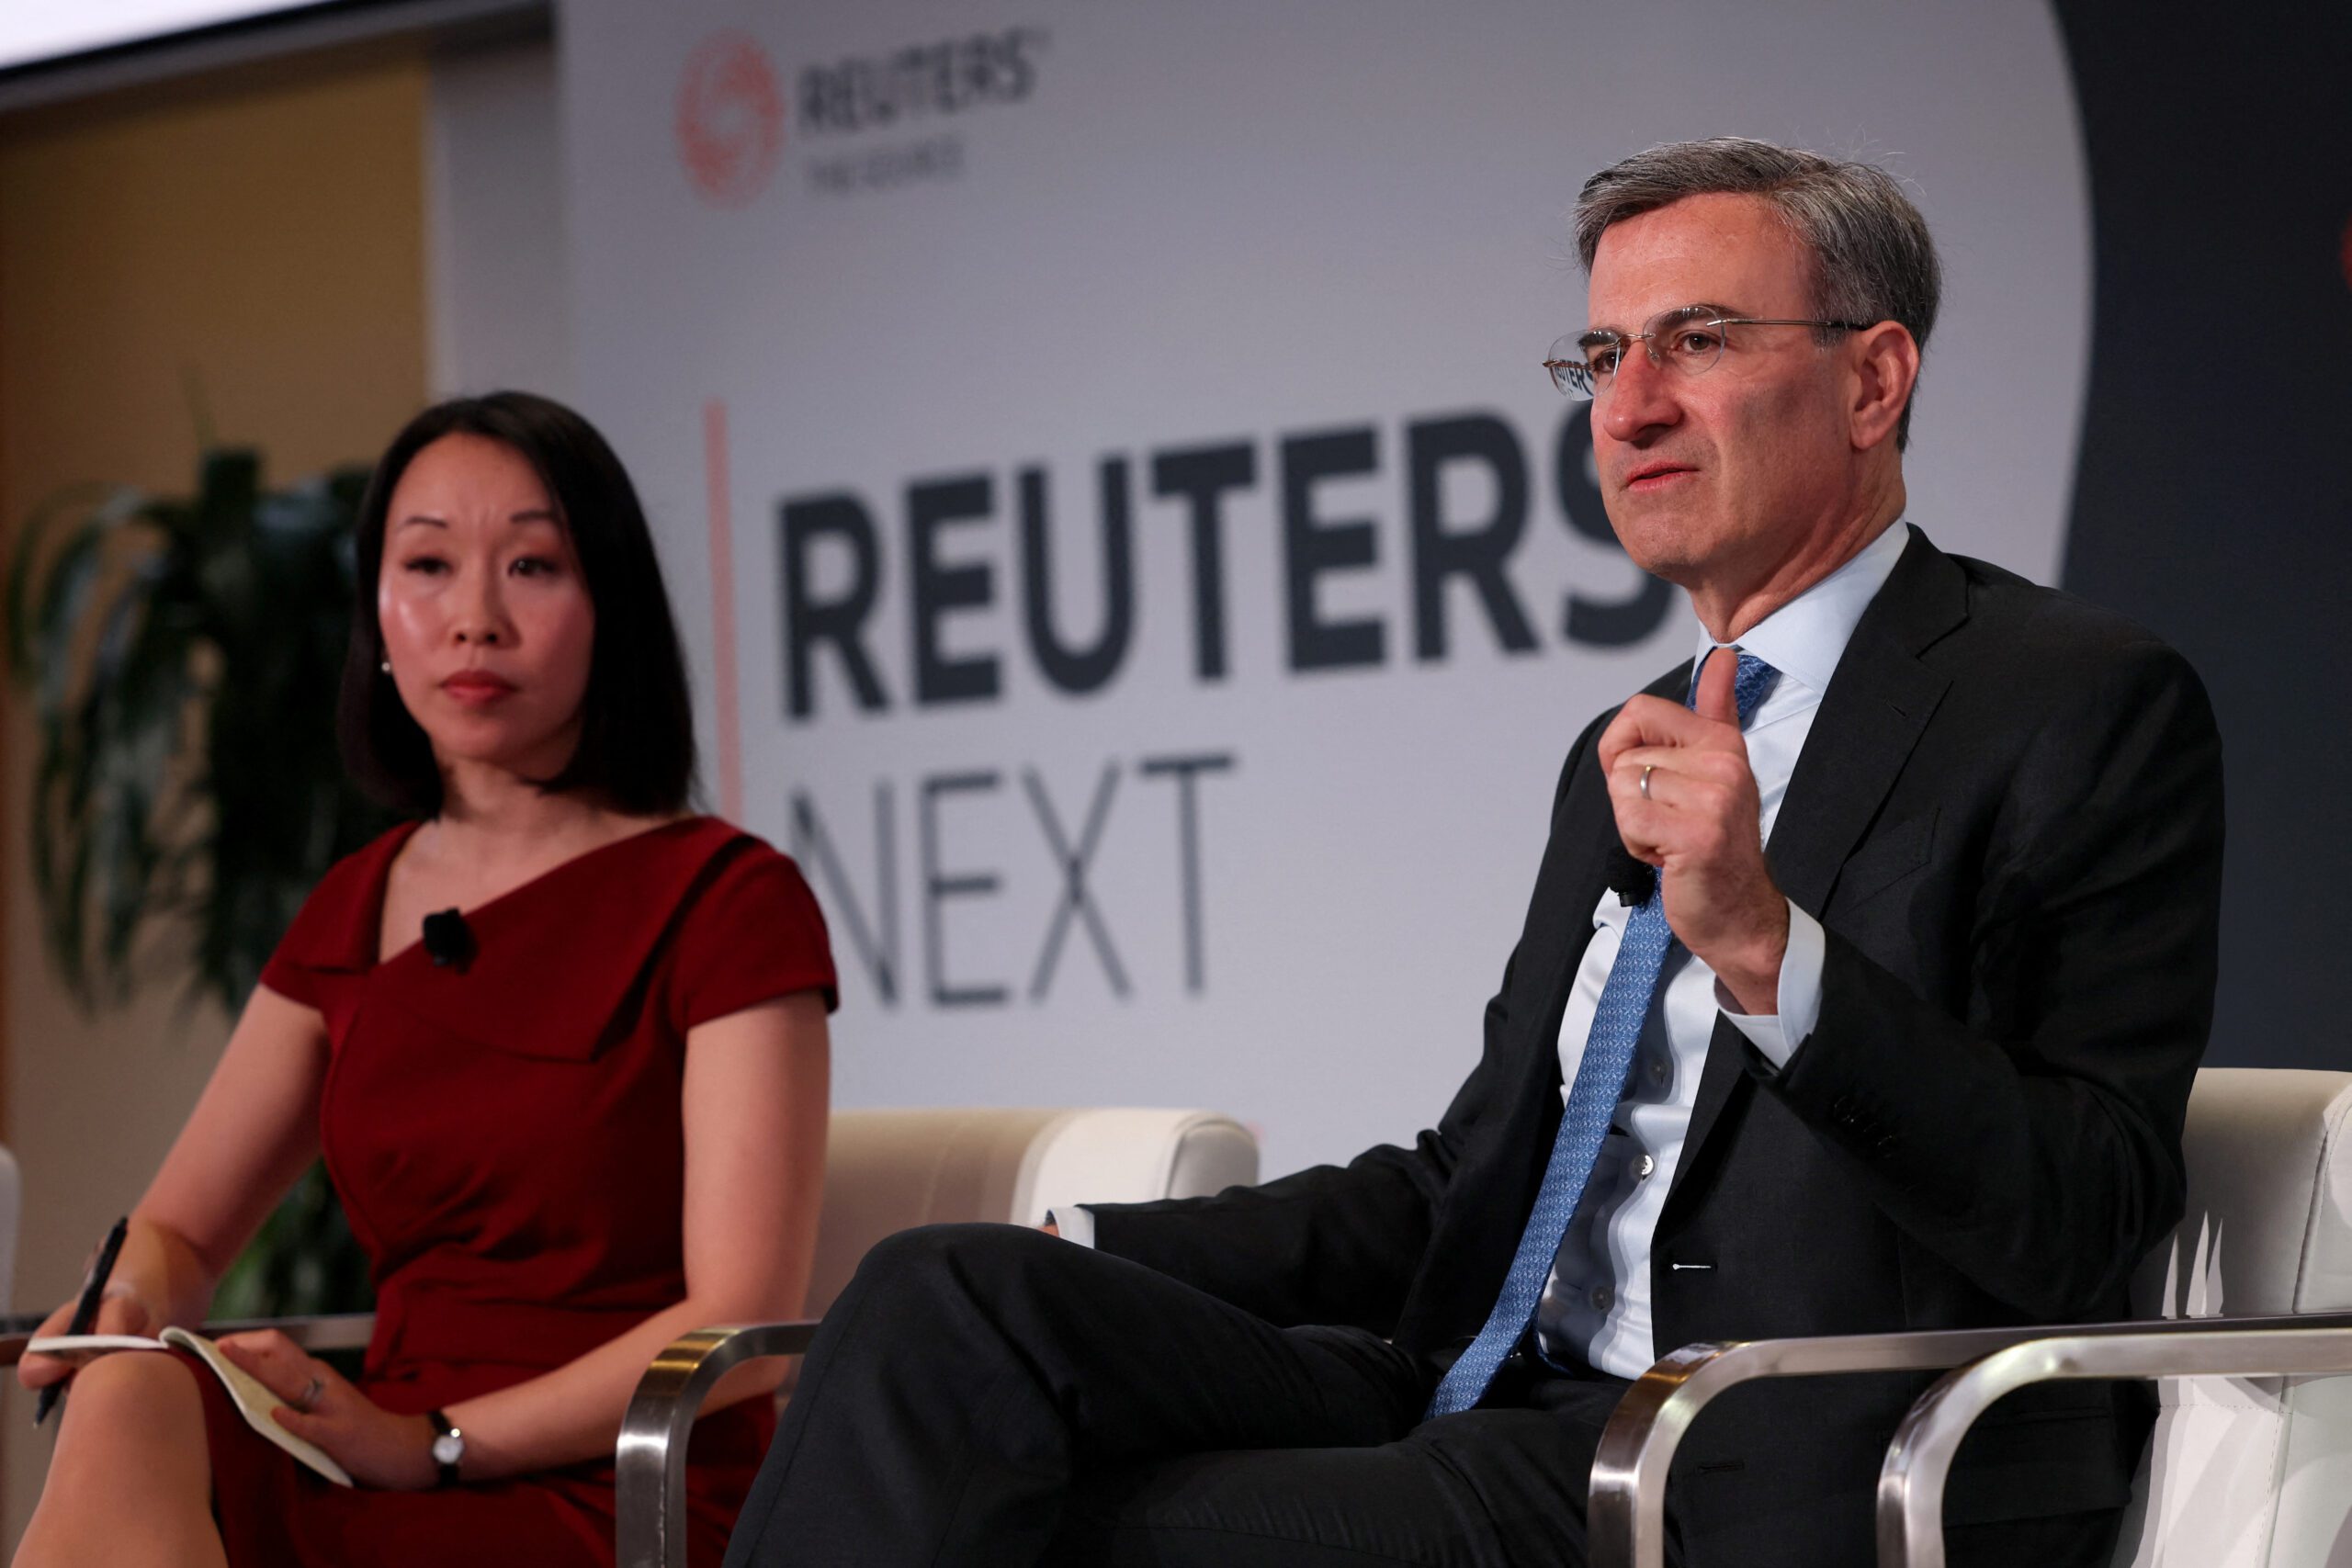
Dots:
(1878, 702)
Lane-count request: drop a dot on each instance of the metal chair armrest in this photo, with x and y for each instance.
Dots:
(649, 1460)
(337, 1331)
(1626, 1513)
(1626, 1516)
(1919, 1462)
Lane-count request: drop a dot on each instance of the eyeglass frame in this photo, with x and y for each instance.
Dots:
(1558, 369)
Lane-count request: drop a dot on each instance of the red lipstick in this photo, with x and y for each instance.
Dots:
(478, 686)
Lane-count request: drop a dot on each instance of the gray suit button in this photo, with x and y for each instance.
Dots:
(1602, 1296)
(1643, 1166)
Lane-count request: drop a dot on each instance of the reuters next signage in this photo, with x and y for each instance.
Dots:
(1134, 558)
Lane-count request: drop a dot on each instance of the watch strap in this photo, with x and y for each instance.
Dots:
(444, 1427)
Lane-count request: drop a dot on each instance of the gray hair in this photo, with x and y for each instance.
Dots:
(1872, 257)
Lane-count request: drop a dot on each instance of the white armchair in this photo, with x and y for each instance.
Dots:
(11, 1208)
(2245, 1471)
(2254, 1472)
(888, 1170)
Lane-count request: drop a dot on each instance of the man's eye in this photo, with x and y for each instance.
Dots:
(1697, 342)
(1602, 357)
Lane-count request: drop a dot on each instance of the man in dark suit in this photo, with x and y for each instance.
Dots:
(1920, 1064)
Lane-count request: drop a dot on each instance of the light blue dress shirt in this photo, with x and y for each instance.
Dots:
(1596, 1305)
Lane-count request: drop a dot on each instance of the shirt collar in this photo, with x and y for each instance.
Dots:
(1804, 639)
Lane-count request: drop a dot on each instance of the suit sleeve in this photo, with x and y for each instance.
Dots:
(1332, 1244)
(2034, 1143)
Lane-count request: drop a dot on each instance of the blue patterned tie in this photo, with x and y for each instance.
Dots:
(1601, 1083)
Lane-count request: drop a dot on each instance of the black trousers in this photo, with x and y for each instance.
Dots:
(989, 1395)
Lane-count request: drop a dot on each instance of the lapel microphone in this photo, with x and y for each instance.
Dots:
(1628, 878)
(448, 941)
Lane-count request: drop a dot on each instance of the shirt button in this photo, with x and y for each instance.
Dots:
(1643, 1167)
(1602, 1298)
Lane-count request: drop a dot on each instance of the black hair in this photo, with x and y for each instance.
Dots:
(636, 730)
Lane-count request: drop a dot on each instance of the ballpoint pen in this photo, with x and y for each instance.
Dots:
(86, 1311)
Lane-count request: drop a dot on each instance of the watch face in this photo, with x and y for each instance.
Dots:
(448, 1449)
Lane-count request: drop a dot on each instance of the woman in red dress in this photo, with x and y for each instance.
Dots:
(585, 1116)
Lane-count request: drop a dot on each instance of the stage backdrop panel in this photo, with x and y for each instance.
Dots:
(1129, 552)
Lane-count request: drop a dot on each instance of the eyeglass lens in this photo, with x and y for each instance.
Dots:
(1689, 338)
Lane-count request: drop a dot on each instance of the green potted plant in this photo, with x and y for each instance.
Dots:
(182, 654)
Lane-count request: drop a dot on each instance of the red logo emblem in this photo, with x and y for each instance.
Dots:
(730, 118)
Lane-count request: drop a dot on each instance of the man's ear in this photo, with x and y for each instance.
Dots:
(1886, 361)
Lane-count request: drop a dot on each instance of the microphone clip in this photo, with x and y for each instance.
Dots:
(1629, 879)
(448, 941)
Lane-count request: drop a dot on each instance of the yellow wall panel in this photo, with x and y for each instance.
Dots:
(254, 242)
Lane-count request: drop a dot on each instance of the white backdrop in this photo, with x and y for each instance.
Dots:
(882, 277)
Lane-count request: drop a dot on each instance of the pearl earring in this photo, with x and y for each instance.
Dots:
(387, 666)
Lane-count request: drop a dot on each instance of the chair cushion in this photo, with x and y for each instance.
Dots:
(2268, 1227)
(2253, 1472)
(888, 1170)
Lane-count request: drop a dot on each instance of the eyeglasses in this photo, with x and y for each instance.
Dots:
(1688, 339)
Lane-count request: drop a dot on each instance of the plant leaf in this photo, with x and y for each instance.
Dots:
(29, 551)
(186, 765)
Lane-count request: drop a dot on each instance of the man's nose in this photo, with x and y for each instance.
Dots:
(1640, 397)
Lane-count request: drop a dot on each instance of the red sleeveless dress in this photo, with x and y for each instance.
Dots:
(505, 1139)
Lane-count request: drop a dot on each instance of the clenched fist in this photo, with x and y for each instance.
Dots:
(1699, 823)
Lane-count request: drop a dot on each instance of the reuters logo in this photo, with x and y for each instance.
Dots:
(730, 118)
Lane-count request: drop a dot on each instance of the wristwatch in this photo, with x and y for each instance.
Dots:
(448, 1446)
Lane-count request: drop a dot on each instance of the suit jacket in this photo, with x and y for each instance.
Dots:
(2007, 818)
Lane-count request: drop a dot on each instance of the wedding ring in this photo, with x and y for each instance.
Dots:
(311, 1394)
(1647, 771)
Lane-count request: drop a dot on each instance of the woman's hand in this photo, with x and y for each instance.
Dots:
(122, 1309)
(379, 1449)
